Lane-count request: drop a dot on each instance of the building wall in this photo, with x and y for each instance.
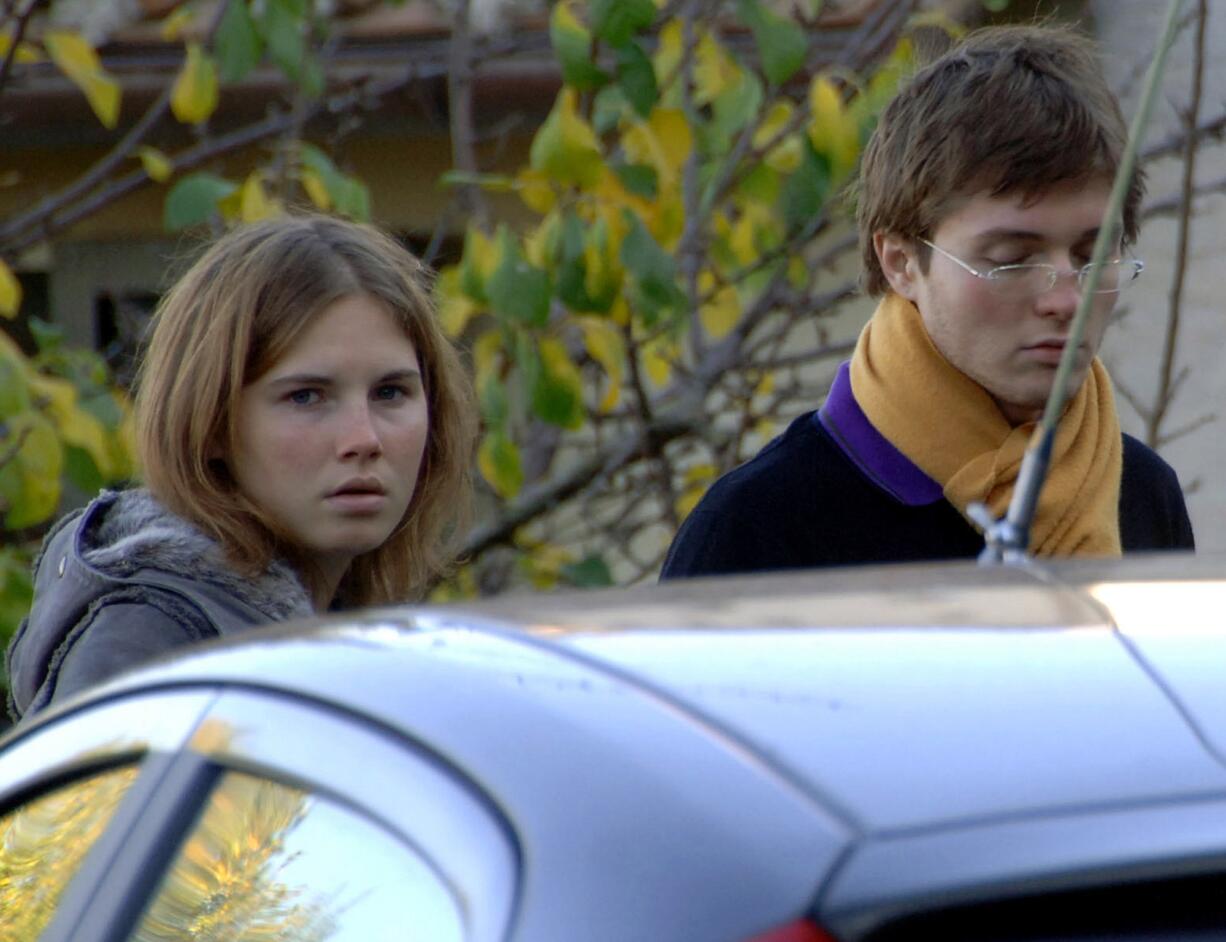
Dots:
(1128, 30)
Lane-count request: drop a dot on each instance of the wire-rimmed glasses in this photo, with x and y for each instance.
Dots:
(1033, 279)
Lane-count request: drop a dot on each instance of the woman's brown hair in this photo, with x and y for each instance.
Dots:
(234, 314)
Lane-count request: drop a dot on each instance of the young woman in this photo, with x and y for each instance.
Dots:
(306, 434)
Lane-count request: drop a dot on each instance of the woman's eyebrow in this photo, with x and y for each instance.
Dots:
(301, 379)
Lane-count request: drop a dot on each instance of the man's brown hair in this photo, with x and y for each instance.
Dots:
(1015, 109)
(227, 321)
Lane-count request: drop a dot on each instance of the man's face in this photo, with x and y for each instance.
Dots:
(1007, 341)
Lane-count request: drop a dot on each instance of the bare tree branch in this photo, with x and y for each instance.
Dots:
(21, 16)
(1166, 392)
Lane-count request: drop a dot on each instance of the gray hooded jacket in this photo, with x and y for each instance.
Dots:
(124, 580)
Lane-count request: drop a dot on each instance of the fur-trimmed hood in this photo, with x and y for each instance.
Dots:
(137, 532)
(123, 580)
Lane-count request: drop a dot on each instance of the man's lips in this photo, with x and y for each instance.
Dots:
(1050, 350)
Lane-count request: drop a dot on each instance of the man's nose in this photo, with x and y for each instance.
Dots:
(1062, 298)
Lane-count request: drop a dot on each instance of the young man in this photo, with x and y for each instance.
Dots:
(981, 194)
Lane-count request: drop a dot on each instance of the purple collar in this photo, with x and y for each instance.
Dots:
(872, 452)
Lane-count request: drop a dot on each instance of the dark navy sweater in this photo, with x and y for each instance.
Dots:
(831, 490)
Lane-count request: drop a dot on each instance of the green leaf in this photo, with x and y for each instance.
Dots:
(16, 591)
(47, 336)
(782, 44)
(572, 44)
(737, 105)
(282, 26)
(557, 388)
(193, 200)
(996, 6)
(571, 269)
(14, 393)
(81, 469)
(517, 290)
(102, 406)
(352, 199)
(608, 108)
(637, 78)
(654, 273)
(500, 465)
(639, 179)
(615, 21)
(760, 184)
(805, 193)
(591, 572)
(495, 406)
(238, 45)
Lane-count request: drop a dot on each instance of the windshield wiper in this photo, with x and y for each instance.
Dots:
(1007, 540)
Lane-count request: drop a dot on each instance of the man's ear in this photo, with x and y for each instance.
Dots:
(899, 263)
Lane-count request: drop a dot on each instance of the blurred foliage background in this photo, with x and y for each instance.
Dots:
(656, 309)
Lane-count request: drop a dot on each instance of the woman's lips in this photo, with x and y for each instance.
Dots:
(357, 502)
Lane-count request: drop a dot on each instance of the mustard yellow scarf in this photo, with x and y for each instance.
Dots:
(950, 427)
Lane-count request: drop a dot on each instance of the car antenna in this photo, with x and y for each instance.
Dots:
(1007, 540)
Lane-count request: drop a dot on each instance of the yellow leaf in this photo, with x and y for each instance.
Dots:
(668, 53)
(721, 313)
(156, 164)
(455, 308)
(566, 148)
(535, 191)
(194, 96)
(30, 481)
(602, 253)
(499, 463)
(785, 155)
(77, 59)
(696, 479)
(254, 202)
(606, 345)
(316, 189)
(657, 357)
(714, 70)
(620, 313)
(545, 563)
(174, 25)
(540, 242)
(664, 141)
(667, 220)
(481, 258)
(833, 130)
(10, 292)
(766, 385)
(25, 55)
(486, 352)
(75, 425)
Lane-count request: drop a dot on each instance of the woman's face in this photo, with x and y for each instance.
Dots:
(331, 438)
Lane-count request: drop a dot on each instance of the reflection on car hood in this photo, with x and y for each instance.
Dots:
(902, 699)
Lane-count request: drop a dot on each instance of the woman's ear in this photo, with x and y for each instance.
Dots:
(899, 263)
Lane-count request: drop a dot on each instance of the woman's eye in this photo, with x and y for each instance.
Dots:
(304, 397)
(390, 393)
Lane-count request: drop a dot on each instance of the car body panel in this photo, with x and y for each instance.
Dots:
(709, 759)
(589, 768)
(944, 725)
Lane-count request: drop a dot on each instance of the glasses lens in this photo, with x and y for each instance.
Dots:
(1022, 280)
(1113, 277)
